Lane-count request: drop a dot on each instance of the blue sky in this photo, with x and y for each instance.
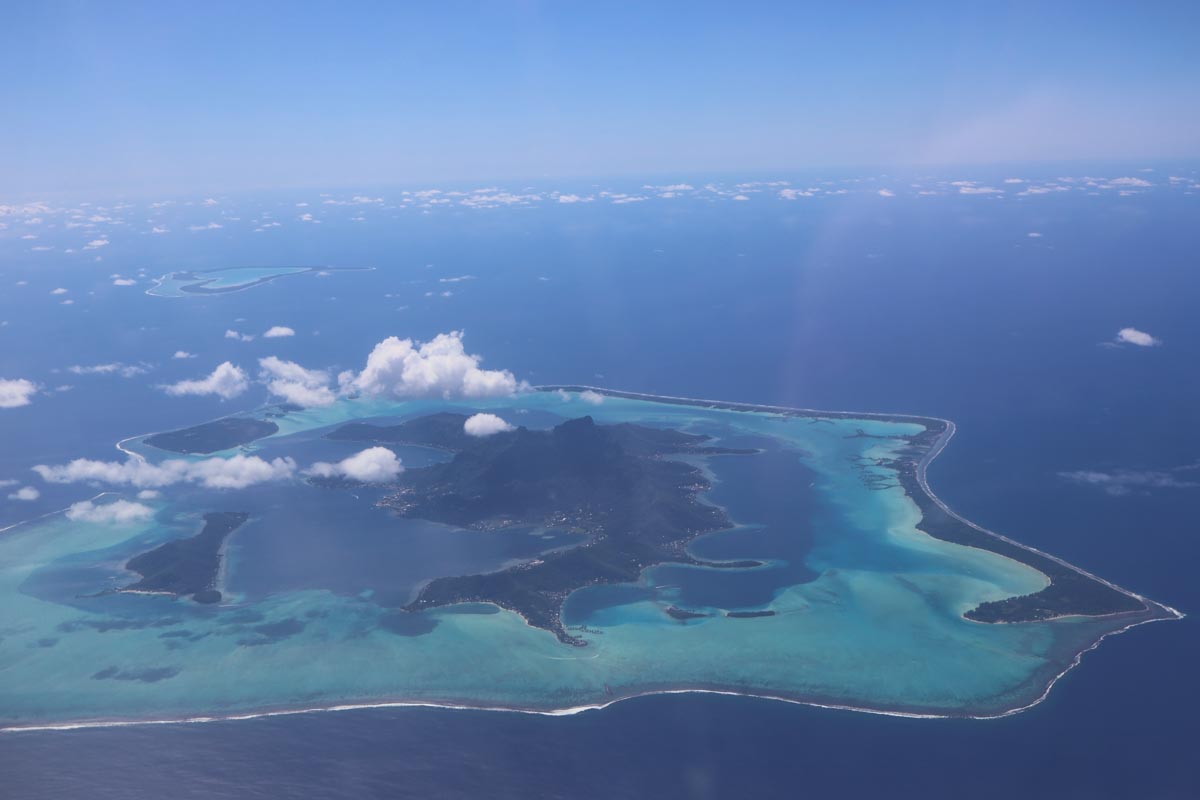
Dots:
(224, 96)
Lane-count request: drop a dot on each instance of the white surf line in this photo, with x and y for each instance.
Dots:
(386, 704)
(734, 405)
(558, 712)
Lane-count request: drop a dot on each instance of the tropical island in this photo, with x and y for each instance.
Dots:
(614, 483)
(703, 546)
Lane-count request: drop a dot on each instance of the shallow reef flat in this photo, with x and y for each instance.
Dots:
(818, 566)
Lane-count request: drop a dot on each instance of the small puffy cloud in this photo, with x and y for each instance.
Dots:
(26, 493)
(1034, 235)
(278, 331)
(149, 494)
(236, 472)
(373, 465)
(96, 244)
(124, 282)
(115, 368)
(226, 381)
(1136, 337)
(59, 290)
(157, 229)
(573, 198)
(115, 513)
(1136, 183)
(886, 193)
(183, 354)
(1126, 481)
(588, 396)
(16, 392)
(979, 190)
(274, 367)
(441, 367)
(212, 226)
(485, 425)
(241, 337)
(300, 395)
(295, 384)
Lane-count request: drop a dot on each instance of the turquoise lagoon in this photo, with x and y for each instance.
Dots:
(868, 610)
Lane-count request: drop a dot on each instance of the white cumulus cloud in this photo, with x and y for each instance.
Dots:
(485, 425)
(114, 513)
(295, 384)
(278, 331)
(241, 337)
(15, 392)
(226, 381)
(373, 465)
(236, 472)
(124, 282)
(1139, 338)
(27, 493)
(441, 367)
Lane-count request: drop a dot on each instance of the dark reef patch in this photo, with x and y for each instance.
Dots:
(144, 674)
(408, 623)
(116, 624)
(272, 632)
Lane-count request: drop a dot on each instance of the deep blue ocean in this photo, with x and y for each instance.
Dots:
(939, 305)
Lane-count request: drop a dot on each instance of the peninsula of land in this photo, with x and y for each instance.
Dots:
(213, 437)
(187, 566)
